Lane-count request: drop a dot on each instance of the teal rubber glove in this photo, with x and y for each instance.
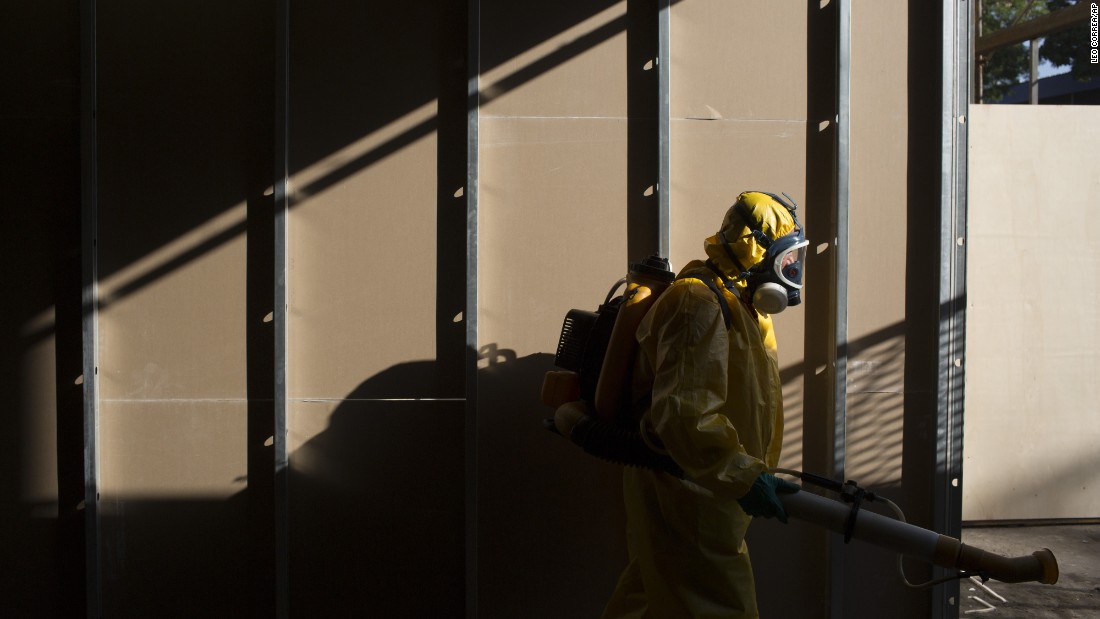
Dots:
(762, 498)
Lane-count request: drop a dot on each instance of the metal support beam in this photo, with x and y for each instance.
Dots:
(90, 303)
(664, 186)
(839, 428)
(977, 85)
(281, 185)
(947, 490)
(1033, 72)
(473, 94)
(843, 181)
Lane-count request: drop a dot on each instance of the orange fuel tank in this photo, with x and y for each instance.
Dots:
(644, 283)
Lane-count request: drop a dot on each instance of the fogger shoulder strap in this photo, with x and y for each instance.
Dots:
(705, 276)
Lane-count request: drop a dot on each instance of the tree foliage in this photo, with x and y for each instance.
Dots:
(1070, 47)
(1003, 68)
(1008, 66)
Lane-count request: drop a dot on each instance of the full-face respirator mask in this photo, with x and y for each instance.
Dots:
(775, 283)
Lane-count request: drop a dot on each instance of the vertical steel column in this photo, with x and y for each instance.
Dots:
(664, 185)
(840, 308)
(843, 181)
(976, 85)
(90, 302)
(473, 90)
(281, 186)
(947, 492)
(1033, 72)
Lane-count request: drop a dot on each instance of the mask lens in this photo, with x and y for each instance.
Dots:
(788, 265)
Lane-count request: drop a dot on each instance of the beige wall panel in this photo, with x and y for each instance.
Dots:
(1033, 341)
(875, 432)
(715, 160)
(552, 225)
(743, 60)
(184, 153)
(877, 244)
(181, 334)
(376, 510)
(37, 427)
(554, 228)
(577, 70)
(790, 334)
(173, 480)
(373, 151)
(173, 449)
(376, 489)
(877, 198)
(553, 236)
(879, 208)
(178, 151)
(363, 265)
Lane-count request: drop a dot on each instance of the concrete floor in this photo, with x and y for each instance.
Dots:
(1075, 595)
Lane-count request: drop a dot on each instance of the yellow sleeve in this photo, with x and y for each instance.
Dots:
(686, 345)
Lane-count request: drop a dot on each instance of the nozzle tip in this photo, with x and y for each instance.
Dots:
(1049, 564)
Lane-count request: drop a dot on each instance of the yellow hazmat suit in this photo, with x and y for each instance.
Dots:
(717, 409)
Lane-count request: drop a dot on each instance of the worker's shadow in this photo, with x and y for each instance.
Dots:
(388, 501)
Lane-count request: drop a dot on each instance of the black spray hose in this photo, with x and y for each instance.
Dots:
(621, 446)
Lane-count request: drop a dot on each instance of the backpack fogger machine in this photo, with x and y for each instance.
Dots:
(590, 394)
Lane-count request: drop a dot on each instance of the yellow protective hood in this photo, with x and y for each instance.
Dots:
(774, 218)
